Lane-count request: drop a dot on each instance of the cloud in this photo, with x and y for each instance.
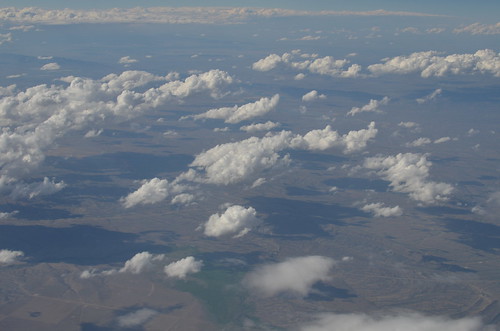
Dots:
(136, 318)
(372, 106)
(183, 267)
(294, 275)
(323, 66)
(152, 191)
(479, 29)
(299, 76)
(37, 117)
(419, 142)
(431, 64)
(442, 140)
(140, 262)
(127, 60)
(258, 182)
(236, 220)
(238, 114)
(254, 127)
(409, 173)
(182, 15)
(313, 95)
(234, 162)
(378, 210)
(327, 138)
(5, 38)
(10, 257)
(404, 321)
(51, 66)
(430, 97)
(24, 28)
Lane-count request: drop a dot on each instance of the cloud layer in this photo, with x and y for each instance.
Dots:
(35, 118)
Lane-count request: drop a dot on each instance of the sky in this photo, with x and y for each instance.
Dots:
(481, 9)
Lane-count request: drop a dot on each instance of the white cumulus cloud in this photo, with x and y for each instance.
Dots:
(295, 275)
(183, 267)
(235, 220)
(379, 210)
(152, 191)
(431, 63)
(419, 142)
(313, 95)
(126, 60)
(409, 173)
(9, 257)
(254, 127)
(237, 114)
(136, 318)
(431, 96)
(372, 106)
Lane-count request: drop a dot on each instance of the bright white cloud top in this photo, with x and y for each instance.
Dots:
(235, 220)
(294, 275)
(379, 210)
(372, 106)
(238, 114)
(255, 127)
(10, 257)
(313, 95)
(183, 267)
(433, 64)
(409, 173)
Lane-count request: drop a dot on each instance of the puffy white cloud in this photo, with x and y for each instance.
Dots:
(323, 66)
(10, 257)
(299, 76)
(294, 275)
(478, 28)
(24, 28)
(140, 262)
(430, 97)
(313, 95)
(237, 114)
(430, 64)
(258, 182)
(35, 118)
(254, 127)
(378, 210)
(51, 66)
(183, 267)
(4, 215)
(408, 173)
(233, 162)
(404, 321)
(408, 125)
(152, 191)
(46, 187)
(126, 60)
(268, 63)
(136, 318)
(327, 138)
(372, 106)
(236, 220)
(419, 142)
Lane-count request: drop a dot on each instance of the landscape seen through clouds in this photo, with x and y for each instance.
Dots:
(237, 168)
